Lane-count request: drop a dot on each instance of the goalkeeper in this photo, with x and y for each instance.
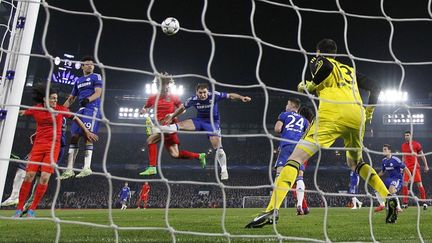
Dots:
(340, 114)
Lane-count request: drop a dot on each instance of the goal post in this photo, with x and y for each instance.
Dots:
(15, 68)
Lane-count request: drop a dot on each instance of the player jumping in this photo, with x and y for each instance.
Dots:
(340, 114)
(166, 104)
(88, 89)
(41, 150)
(203, 102)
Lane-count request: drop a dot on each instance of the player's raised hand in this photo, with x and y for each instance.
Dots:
(91, 136)
(143, 111)
(246, 99)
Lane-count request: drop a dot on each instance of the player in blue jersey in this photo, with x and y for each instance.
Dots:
(291, 126)
(203, 102)
(88, 89)
(394, 168)
(125, 195)
(354, 189)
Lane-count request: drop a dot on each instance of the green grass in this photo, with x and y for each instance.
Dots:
(343, 224)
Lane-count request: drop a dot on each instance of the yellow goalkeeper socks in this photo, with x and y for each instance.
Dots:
(283, 184)
(375, 181)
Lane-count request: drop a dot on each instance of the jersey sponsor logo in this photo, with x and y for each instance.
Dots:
(87, 79)
(83, 84)
(203, 106)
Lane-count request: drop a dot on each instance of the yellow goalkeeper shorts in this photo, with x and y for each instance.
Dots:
(324, 134)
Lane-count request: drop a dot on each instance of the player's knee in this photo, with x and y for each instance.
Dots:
(220, 153)
(29, 176)
(294, 164)
(174, 154)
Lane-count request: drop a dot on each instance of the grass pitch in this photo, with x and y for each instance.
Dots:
(149, 225)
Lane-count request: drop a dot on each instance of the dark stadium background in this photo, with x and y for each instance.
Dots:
(127, 45)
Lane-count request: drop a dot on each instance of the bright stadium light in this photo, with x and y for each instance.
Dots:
(151, 88)
(393, 96)
(133, 113)
(403, 119)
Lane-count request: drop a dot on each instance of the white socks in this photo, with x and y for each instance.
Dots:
(300, 188)
(73, 151)
(18, 180)
(87, 158)
(355, 201)
(221, 159)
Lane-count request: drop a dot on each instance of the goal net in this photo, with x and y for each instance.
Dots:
(260, 49)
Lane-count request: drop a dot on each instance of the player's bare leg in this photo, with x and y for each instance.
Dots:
(73, 152)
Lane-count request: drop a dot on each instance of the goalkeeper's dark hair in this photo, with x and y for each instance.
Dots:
(307, 113)
(87, 58)
(295, 101)
(388, 146)
(409, 132)
(201, 86)
(39, 92)
(327, 46)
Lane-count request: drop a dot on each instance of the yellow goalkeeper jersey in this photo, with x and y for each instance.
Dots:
(340, 100)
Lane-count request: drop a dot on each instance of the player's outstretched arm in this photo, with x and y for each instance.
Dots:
(89, 135)
(234, 96)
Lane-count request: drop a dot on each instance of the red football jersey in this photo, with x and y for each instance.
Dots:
(145, 189)
(411, 160)
(44, 125)
(166, 104)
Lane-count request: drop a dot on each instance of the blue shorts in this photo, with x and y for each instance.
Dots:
(284, 154)
(393, 182)
(353, 189)
(205, 125)
(91, 124)
(123, 199)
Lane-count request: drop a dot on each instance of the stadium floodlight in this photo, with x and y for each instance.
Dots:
(151, 88)
(403, 119)
(133, 113)
(393, 96)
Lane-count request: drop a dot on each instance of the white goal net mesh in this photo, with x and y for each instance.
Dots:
(257, 48)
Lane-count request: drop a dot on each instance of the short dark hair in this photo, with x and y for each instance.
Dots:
(201, 86)
(388, 146)
(296, 101)
(307, 113)
(327, 46)
(409, 132)
(39, 92)
(87, 58)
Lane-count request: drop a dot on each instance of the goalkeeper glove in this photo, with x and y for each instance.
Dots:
(310, 86)
(369, 114)
(84, 102)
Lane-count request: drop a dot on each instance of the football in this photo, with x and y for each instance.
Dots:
(170, 26)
